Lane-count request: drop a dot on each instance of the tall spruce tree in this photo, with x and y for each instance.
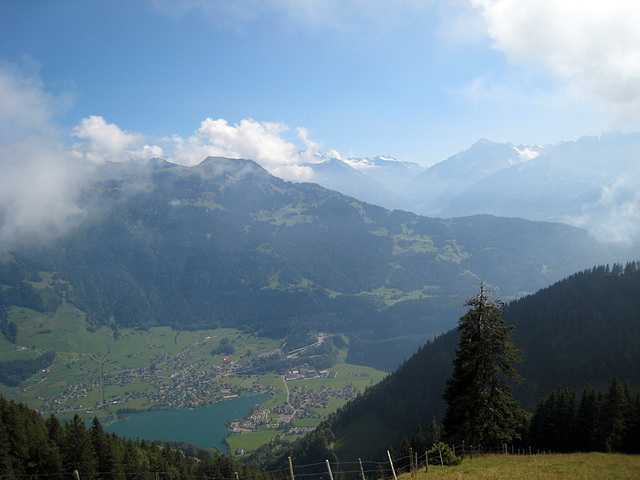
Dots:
(480, 405)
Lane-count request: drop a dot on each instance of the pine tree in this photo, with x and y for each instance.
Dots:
(419, 441)
(433, 433)
(553, 422)
(480, 405)
(612, 415)
(77, 450)
(402, 459)
(585, 431)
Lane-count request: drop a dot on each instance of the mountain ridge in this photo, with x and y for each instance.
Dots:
(591, 183)
(226, 243)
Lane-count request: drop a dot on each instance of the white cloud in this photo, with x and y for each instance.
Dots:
(189, 151)
(591, 46)
(616, 214)
(107, 142)
(39, 182)
(263, 143)
(39, 193)
(26, 108)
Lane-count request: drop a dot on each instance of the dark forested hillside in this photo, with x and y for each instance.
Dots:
(585, 329)
(225, 243)
(582, 330)
(33, 447)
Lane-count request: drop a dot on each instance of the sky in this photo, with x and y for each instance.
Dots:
(278, 81)
(418, 80)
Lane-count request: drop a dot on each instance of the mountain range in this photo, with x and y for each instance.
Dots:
(225, 243)
(591, 183)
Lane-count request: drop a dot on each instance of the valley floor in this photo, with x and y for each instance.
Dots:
(109, 373)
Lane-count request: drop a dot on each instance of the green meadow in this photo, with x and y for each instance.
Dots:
(574, 466)
(108, 372)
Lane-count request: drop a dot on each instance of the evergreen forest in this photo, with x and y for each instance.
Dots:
(31, 447)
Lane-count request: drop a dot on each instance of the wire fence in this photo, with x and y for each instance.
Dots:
(360, 470)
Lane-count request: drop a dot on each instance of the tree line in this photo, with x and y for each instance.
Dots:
(605, 421)
(31, 445)
(13, 372)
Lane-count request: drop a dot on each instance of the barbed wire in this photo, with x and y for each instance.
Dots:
(378, 469)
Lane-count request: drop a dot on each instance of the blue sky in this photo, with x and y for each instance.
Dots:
(415, 79)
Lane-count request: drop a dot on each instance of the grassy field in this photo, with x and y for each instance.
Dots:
(576, 466)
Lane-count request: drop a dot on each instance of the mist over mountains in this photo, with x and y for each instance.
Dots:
(592, 183)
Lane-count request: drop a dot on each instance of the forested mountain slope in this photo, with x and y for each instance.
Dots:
(582, 330)
(31, 446)
(225, 243)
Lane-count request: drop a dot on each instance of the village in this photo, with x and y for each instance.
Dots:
(189, 380)
(302, 403)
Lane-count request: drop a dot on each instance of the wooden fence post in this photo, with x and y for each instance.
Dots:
(440, 450)
(426, 456)
(291, 469)
(393, 470)
(329, 469)
(76, 475)
(361, 470)
(411, 462)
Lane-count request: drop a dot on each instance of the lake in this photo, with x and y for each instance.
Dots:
(202, 426)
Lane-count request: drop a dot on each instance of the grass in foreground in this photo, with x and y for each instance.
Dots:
(575, 466)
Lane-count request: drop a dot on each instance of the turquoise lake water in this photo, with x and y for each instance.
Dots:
(202, 426)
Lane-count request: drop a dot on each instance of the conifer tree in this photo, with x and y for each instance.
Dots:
(419, 441)
(480, 405)
(586, 433)
(613, 413)
(433, 433)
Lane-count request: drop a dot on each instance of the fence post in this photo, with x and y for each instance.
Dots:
(329, 469)
(76, 475)
(291, 469)
(393, 470)
(411, 467)
(237, 477)
(361, 469)
(440, 450)
(426, 456)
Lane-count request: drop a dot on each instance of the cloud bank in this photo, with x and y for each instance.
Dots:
(39, 184)
(592, 47)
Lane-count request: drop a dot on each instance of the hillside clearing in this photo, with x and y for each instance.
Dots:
(576, 466)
